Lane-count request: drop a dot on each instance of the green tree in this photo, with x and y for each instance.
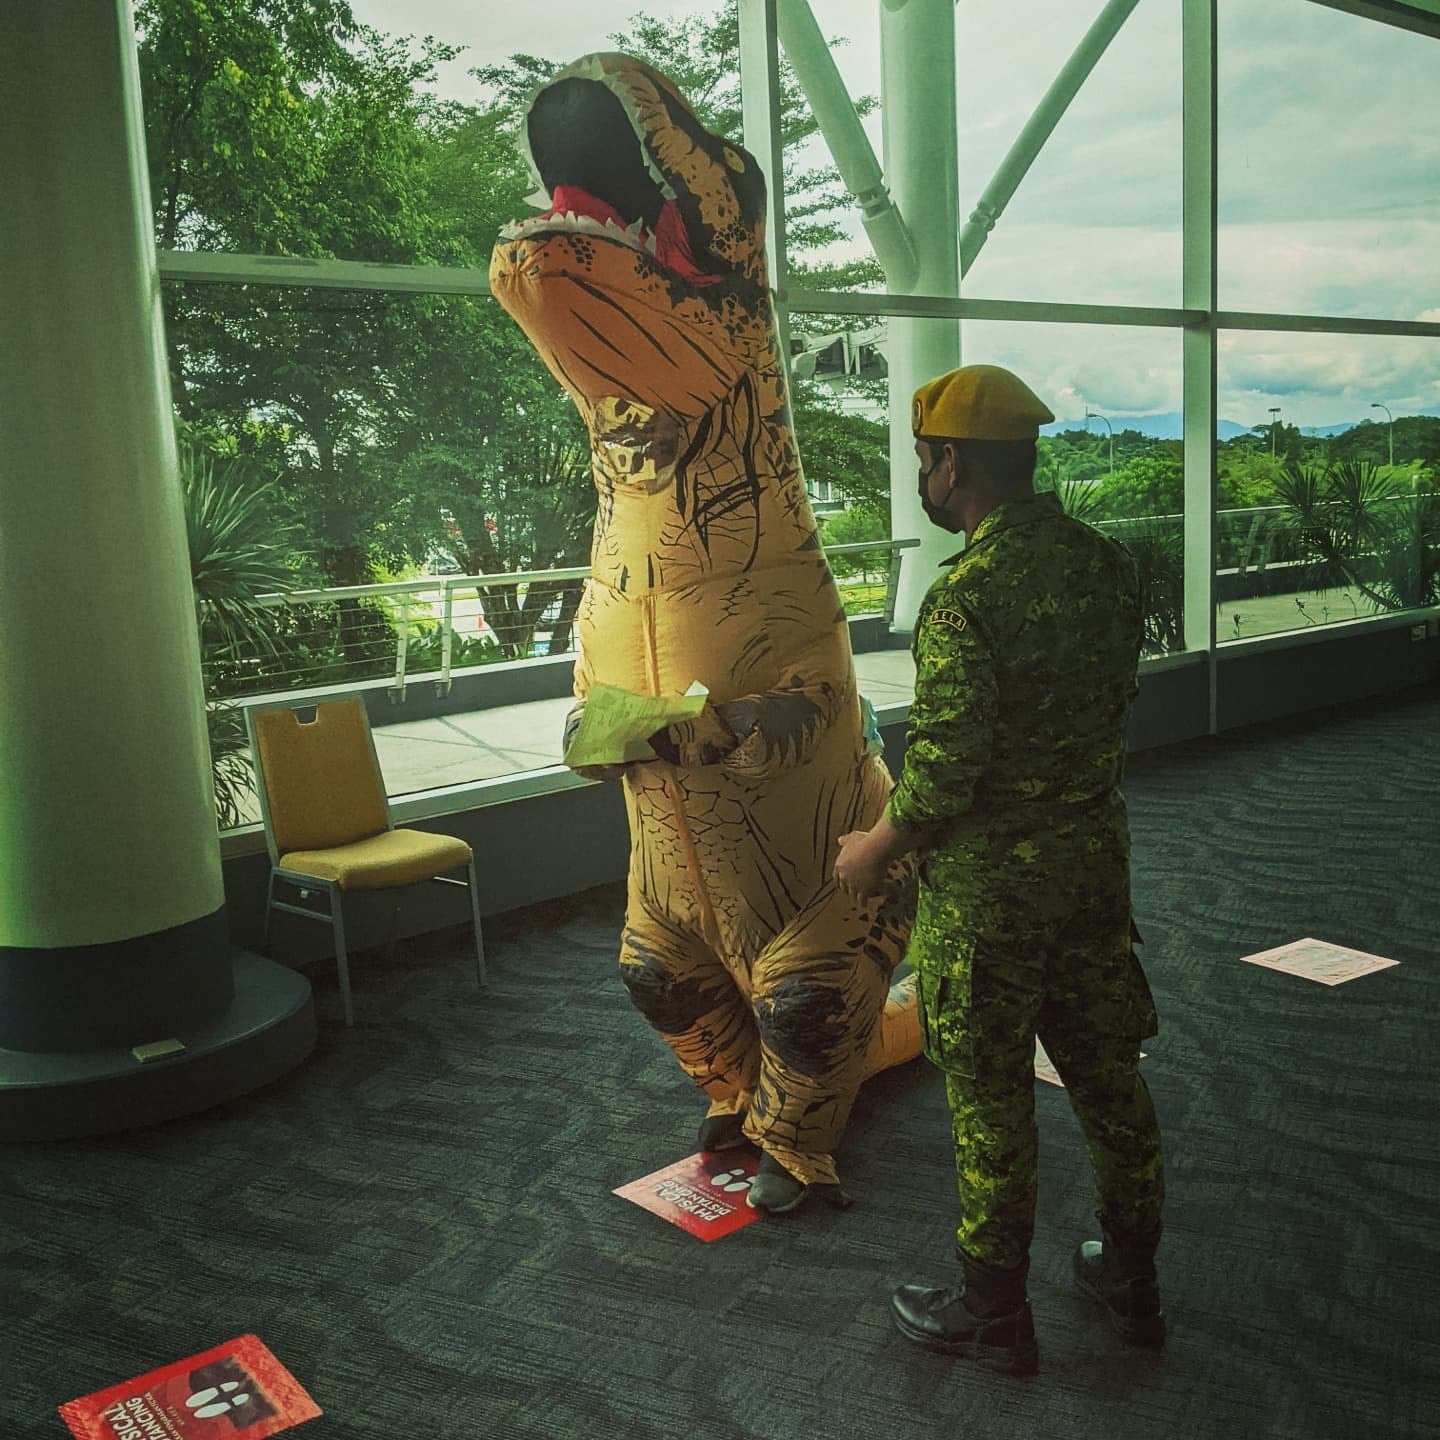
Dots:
(853, 527)
(701, 53)
(849, 451)
(1145, 485)
(394, 424)
(287, 128)
(1417, 437)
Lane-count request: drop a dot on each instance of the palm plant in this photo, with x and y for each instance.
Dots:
(237, 553)
(1353, 526)
(1157, 548)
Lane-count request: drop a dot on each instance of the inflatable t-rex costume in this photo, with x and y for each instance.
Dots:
(643, 288)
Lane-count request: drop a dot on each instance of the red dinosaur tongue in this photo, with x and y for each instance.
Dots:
(572, 199)
(672, 244)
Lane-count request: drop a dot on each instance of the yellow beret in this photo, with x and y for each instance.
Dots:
(978, 402)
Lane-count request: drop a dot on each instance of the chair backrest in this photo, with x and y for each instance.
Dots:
(319, 782)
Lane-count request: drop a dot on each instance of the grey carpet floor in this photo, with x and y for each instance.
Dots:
(419, 1222)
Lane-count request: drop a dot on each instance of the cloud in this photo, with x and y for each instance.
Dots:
(1327, 154)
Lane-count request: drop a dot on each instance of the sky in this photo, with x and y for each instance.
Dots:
(1329, 161)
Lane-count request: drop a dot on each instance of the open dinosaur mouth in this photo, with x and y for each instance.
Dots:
(578, 212)
(588, 151)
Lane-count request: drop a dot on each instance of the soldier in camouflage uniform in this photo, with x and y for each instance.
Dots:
(1026, 652)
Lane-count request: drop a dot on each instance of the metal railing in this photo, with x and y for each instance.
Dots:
(413, 604)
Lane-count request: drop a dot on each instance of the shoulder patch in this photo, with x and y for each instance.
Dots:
(952, 618)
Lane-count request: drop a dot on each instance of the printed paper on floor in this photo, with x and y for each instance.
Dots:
(1320, 961)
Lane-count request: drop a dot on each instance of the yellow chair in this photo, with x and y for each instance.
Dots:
(327, 820)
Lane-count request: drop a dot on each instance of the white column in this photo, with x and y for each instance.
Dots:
(917, 43)
(107, 821)
(1198, 287)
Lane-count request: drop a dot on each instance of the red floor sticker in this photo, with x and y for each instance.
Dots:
(702, 1194)
(238, 1390)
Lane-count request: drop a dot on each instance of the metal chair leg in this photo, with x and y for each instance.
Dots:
(337, 920)
(269, 901)
(392, 945)
(475, 916)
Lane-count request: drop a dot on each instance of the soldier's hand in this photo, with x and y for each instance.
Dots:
(861, 867)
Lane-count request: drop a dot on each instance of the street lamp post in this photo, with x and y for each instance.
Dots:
(1391, 419)
(1092, 415)
(1274, 423)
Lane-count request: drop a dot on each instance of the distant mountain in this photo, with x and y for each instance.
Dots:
(1169, 426)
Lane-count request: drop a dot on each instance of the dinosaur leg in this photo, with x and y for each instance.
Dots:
(680, 986)
(819, 994)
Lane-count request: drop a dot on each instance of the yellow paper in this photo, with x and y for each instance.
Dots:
(616, 723)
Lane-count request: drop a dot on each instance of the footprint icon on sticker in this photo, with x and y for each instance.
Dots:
(216, 1400)
(732, 1180)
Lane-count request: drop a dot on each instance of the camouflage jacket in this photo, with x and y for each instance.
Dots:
(1025, 669)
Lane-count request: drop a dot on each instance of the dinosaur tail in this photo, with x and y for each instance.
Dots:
(897, 1037)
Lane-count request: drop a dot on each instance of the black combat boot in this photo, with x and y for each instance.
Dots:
(1119, 1272)
(985, 1318)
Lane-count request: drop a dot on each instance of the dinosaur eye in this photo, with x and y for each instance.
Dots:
(734, 161)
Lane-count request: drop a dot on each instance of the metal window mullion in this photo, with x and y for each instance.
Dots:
(1198, 292)
(764, 139)
(402, 647)
(226, 268)
(1325, 324)
(447, 639)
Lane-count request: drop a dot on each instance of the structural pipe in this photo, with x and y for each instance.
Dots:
(1038, 128)
(917, 50)
(834, 112)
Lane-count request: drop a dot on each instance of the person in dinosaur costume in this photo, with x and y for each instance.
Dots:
(643, 287)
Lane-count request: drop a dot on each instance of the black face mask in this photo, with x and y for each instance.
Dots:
(933, 513)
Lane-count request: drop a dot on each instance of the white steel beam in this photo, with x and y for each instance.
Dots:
(917, 66)
(1038, 128)
(840, 127)
(1198, 346)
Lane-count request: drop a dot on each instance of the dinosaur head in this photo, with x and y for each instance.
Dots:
(642, 286)
(612, 129)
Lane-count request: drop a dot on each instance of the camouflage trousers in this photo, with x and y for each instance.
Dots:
(985, 995)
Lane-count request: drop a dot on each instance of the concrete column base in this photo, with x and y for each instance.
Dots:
(268, 1029)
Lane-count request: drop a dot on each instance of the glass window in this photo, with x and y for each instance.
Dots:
(840, 403)
(1113, 454)
(1097, 217)
(1328, 163)
(384, 438)
(1318, 523)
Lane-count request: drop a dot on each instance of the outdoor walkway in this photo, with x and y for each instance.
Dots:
(419, 755)
(511, 739)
